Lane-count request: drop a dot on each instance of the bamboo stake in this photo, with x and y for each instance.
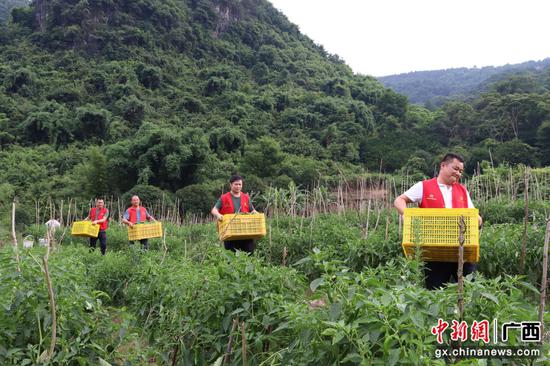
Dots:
(52, 208)
(75, 213)
(52, 304)
(243, 337)
(14, 236)
(270, 240)
(120, 214)
(361, 195)
(164, 246)
(37, 212)
(66, 226)
(175, 355)
(400, 228)
(379, 209)
(525, 224)
(368, 219)
(61, 213)
(229, 348)
(268, 331)
(162, 208)
(111, 208)
(544, 283)
(460, 273)
(45, 213)
(68, 221)
(387, 227)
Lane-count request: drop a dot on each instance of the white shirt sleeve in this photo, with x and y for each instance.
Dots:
(415, 193)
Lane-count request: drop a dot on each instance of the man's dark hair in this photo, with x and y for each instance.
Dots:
(235, 178)
(450, 157)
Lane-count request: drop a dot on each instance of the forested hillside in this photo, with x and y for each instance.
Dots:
(106, 97)
(434, 87)
(166, 99)
(7, 5)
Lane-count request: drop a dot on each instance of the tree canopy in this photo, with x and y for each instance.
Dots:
(101, 96)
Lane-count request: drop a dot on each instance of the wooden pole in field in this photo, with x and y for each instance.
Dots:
(525, 224)
(69, 213)
(37, 212)
(164, 246)
(175, 355)
(52, 208)
(229, 348)
(14, 237)
(45, 213)
(162, 208)
(52, 304)
(68, 223)
(61, 213)
(51, 295)
(379, 211)
(120, 213)
(244, 346)
(368, 220)
(460, 273)
(387, 227)
(400, 229)
(75, 213)
(544, 282)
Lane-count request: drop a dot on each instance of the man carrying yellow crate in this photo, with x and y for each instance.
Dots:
(231, 202)
(99, 215)
(137, 214)
(444, 191)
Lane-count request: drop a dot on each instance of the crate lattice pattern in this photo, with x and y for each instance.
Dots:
(145, 231)
(242, 226)
(436, 231)
(84, 229)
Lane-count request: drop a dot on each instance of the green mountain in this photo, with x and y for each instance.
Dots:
(6, 7)
(172, 96)
(175, 93)
(434, 87)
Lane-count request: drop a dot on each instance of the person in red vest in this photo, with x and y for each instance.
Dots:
(444, 191)
(235, 201)
(99, 215)
(136, 214)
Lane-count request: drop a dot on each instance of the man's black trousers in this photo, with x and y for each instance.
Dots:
(440, 273)
(245, 245)
(102, 236)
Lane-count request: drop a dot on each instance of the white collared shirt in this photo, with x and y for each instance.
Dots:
(415, 194)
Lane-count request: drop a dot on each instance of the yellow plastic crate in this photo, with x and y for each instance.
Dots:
(145, 231)
(436, 231)
(84, 229)
(242, 226)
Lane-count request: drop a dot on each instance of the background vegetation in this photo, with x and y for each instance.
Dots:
(167, 98)
(98, 97)
(6, 7)
(434, 88)
(322, 288)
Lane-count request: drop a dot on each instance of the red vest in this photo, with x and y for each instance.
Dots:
(132, 211)
(103, 226)
(227, 203)
(433, 198)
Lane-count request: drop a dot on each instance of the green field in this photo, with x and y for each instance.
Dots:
(344, 296)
